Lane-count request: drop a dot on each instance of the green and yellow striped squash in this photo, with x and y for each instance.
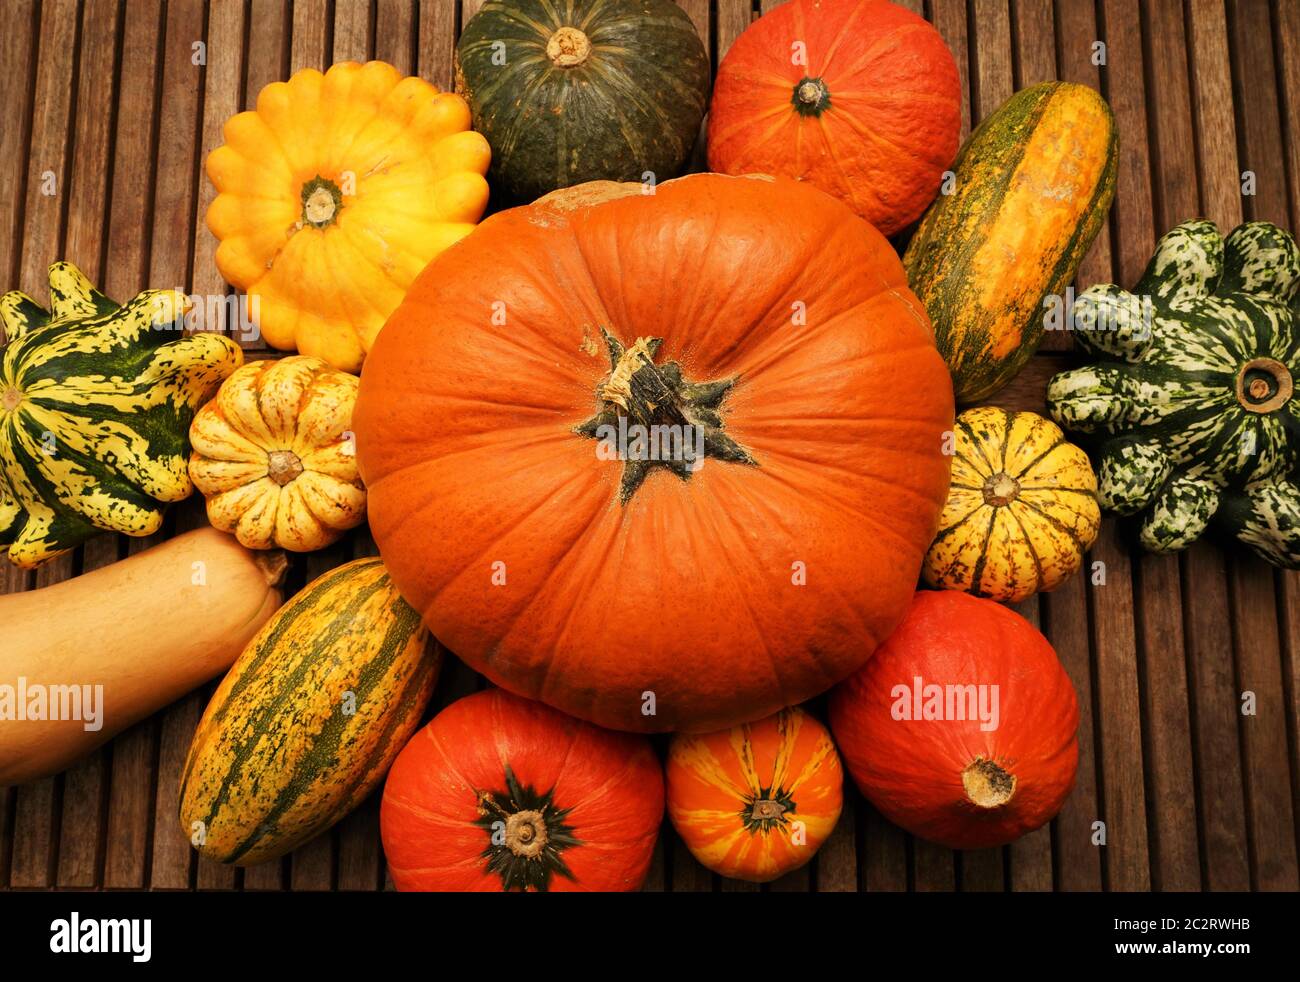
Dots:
(309, 719)
(1193, 400)
(1032, 187)
(95, 408)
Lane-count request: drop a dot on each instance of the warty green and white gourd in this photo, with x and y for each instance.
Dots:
(1194, 395)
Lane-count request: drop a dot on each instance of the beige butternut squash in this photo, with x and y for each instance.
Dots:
(84, 659)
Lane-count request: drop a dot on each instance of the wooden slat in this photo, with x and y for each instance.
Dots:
(883, 852)
(837, 860)
(991, 75)
(1030, 858)
(949, 17)
(34, 859)
(733, 17)
(1266, 775)
(395, 34)
(310, 45)
(354, 34)
(933, 867)
(1064, 614)
(82, 812)
(438, 33)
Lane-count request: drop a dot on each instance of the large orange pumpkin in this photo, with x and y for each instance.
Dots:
(860, 97)
(961, 728)
(705, 580)
(500, 793)
(757, 800)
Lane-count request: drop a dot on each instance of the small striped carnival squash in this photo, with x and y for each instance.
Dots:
(308, 720)
(95, 408)
(859, 97)
(499, 793)
(1192, 399)
(1021, 511)
(274, 455)
(334, 194)
(758, 800)
(583, 90)
(990, 260)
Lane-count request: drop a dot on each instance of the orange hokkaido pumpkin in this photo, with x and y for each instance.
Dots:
(757, 800)
(859, 97)
(499, 793)
(961, 728)
(664, 461)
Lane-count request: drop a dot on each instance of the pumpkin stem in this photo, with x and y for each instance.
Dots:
(767, 809)
(1263, 385)
(652, 417)
(987, 785)
(283, 466)
(11, 399)
(568, 48)
(1001, 489)
(811, 97)
(321, 201)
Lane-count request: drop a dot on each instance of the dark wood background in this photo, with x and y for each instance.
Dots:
(104, 95)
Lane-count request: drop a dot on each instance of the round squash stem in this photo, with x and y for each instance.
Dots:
(283, 466)
(526, 833)
(568, 48)
(767, 808)
(1001, 489)
(321, 201)
(10, 400)
(987, 785)
(1263, 385)
(273, 565)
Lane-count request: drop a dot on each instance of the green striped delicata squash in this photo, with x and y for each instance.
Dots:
(1193, 398)
(95, 408)
(1033, 185)
(309, 719)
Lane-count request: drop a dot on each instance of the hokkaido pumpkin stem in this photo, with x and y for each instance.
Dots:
(1263, 385)
(663, 407)
(811, 97)
(987, 785)
(568, 48)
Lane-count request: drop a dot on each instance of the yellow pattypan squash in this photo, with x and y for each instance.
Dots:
(334, 194)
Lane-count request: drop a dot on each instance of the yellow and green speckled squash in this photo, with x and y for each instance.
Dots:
(95, 408)
(1021, 512)
(309, 719)
(1033, 185)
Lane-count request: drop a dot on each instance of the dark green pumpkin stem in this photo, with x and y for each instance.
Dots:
(677, 422)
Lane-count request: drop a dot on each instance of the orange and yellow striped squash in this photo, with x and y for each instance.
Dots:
(309, 719)
(757, 800)
(1021, 512)
(1032, 187)
(334, 194)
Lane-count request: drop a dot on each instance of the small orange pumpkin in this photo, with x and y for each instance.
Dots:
(757, 800)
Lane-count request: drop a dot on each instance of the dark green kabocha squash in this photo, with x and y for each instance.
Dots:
(96, 402)
(568, 91)
(1194, 397)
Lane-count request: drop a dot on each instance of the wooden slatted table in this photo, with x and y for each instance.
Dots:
(106, 107)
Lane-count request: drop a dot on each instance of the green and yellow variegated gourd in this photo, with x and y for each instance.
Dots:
(1195, 394)
(95, 407)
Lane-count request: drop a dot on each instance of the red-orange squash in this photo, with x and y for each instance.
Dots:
(756, 801)
(515, 428)
(499, 793)
(961, 728)
(859, 97)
